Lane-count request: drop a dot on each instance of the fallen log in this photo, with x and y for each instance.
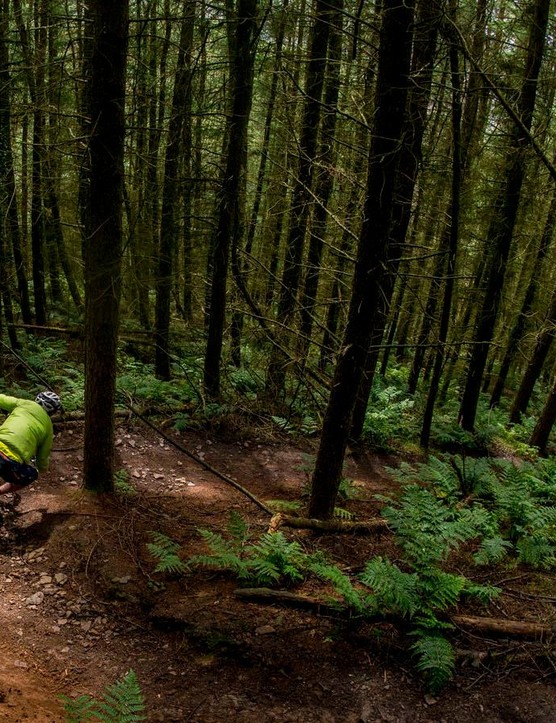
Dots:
(496, 627)
(348, 526)
(502, 627)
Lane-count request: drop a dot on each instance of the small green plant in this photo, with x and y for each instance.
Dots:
(347, 489)
(139, 381)
(245, 382)
(436, 659)
(306, 425)
(427, 528)
(388, 417)
(122, 702)
(512, 507)
(122, 485)
(271, 560)
(165, 551)
(420, 596)
(450, 476)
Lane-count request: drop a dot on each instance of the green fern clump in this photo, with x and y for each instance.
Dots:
(245, 381)
(492, 550)
(546, 471)
(139, 381)
(269, 561)
(273, 559)
(306, 424)
(524, 506)
(72, 390)
(388, 417)
(44, 354)
(423, 596)
(122, 702)
(122, 485)
(449, 476)
(447, 434)
(165, 551)
(419, 595)
(394, 591)
(426, 527)
(223, 555)
(537, 551)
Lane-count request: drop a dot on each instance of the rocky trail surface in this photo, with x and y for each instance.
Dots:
(81, 605)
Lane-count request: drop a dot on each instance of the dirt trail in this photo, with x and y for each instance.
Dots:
(80, 604)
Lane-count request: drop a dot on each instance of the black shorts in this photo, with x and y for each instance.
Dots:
(18, 473)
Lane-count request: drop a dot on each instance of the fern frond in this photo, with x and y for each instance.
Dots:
(263, 572)
(483, 593)
(492, 550)
(341, 514)
(283, 505)
(274, 557)
(77, 710)
(440, 590)
(166, 552)
(123, 702)
(223, 554)
(426, 527)
(238, 528)
(353, 598)
(394, 590)
(436, 659)
(536, 551)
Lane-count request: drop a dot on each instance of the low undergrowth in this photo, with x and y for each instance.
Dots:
(480, 513)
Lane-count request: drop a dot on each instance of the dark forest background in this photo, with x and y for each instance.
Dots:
(341, 211)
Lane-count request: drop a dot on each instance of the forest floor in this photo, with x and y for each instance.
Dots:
(81, 605)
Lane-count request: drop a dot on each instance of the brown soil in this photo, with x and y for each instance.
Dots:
(81, 604)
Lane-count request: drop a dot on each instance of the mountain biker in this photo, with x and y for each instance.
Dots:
(25, 435)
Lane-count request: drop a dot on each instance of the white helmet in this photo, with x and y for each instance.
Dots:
(49, 401)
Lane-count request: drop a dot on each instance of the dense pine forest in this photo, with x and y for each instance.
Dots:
(302, 198)
(333, 221)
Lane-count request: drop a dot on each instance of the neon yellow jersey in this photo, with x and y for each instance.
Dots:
(27, 431)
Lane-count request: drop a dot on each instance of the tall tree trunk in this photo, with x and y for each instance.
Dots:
(325, 182)
(103, 235)
(373, 251)
(55, 230)
(301, 196)
(520, 325)
(545, 422)
(452, 244)
(232, 194)
(535, 365)
(188, 189)
(500, 232)
(35, 64)
(8, 202)
(428, 16)
(170, 196)
(237, 316)
(38, 241)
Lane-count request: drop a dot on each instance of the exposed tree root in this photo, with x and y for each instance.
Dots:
(306, 523)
